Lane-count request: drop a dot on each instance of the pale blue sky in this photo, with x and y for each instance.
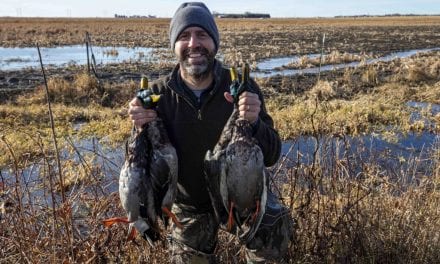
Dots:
(166, 8)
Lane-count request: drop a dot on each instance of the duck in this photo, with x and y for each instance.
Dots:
(235, 172)
(148, 178)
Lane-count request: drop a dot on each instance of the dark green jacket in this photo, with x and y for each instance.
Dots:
(193, 129)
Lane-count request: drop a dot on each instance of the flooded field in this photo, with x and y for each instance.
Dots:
(62, 56)
(358, 114)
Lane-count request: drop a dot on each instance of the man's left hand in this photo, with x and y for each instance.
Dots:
(249, 105)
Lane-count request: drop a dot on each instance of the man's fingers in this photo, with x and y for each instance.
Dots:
(250, 116)
(139, 123)
(248, 98)
(142, 113)
(249, 108)
(135, 102)
(138, 115)
(249, 105)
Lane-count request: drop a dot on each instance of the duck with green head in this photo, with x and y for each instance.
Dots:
(235, 170)
(148, 179)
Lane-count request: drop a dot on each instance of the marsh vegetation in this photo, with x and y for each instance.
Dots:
(349, 207)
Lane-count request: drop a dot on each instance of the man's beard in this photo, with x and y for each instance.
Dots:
(197, 71)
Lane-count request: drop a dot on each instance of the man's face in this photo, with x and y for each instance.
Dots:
(195, 50)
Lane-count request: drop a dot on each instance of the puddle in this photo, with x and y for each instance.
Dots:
(395, 155)
(433, 108)
(19, 58)
(424, 112)
(405, 152)
(271, 64)
(267, 67)
(36, 190)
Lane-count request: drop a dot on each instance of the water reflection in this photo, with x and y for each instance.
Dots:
(18, 58)
(396, 157)
(34, 181)
(395, 152)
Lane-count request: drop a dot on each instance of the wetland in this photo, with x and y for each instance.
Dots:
(360, 167)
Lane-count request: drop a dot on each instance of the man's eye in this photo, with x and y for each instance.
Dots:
(202, 35)
(183, 36)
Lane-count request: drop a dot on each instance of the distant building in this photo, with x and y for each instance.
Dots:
(244, 15)
(134, 16)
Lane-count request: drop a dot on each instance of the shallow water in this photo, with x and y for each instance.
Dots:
(267, 67)
(36, 190)
(19, 58)
(404, 157)
(404, 152)
(387, 151)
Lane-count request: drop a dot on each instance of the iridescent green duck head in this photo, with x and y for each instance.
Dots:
(236, 87)
(146, 96)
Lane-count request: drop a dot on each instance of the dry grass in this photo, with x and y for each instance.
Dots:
(365, 217)
(348, 208)
(25, 120)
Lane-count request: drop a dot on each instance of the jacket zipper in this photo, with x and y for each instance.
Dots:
(199, 111)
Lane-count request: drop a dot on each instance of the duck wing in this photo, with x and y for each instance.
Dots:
(135, 188)
(163, 170)
(213, 168)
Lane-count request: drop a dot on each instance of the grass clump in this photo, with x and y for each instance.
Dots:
(81, 108)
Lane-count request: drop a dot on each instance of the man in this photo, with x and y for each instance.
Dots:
(195, 105)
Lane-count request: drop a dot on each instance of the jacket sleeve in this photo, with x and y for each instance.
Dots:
(265, 133)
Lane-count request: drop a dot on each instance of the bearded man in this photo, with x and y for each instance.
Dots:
(194, 106)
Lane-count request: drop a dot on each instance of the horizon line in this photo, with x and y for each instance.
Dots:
(157, 17)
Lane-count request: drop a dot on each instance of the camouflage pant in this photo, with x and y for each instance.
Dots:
(196, 242)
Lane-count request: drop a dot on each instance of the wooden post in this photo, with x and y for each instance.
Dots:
(87, 48)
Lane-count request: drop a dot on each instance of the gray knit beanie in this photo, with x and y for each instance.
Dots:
(193, 14)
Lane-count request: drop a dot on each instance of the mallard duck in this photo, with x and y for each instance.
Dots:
(148, 179)
(235, 170)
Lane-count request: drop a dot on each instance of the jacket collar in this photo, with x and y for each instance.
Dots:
(173, 82)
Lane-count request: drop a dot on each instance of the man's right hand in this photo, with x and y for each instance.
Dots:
(140, 116)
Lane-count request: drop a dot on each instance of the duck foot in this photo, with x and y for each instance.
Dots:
(257, 211)
(172, 216)
(111, 221)
(230, 217)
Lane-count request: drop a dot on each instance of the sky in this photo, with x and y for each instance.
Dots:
(166, 8)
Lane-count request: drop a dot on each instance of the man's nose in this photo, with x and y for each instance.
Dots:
(193, 41)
